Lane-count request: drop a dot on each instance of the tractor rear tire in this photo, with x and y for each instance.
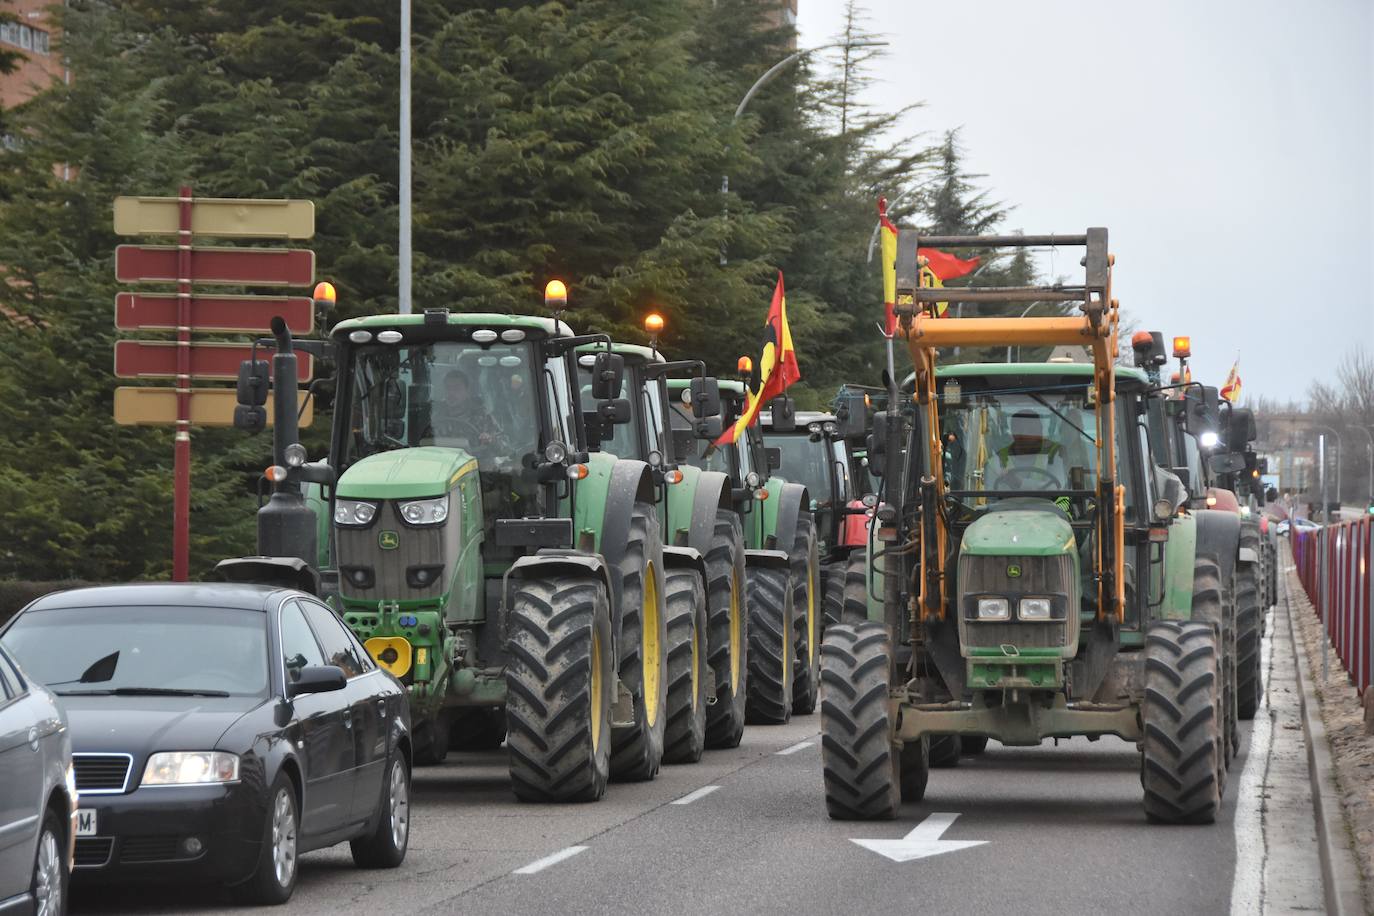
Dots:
(973, 745)
(807, 620)
(945, 751)
(560, 679)
(1214, 602)
(862, 765)
(685, 598)
(1249, 679)
(637, 748)
(915, 769)
(1183, 759)
(855, 608)
(771, 646)
(727, 642)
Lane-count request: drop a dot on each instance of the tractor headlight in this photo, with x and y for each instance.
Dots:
(752, 479)
(354, 513)
(425, 511)
(993, 609)
(190, 768)
(1034, 609)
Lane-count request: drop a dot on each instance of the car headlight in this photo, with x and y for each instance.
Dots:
(1033, 609)
(425, 511)
(993, 608)
(354, 513)
(190, 768)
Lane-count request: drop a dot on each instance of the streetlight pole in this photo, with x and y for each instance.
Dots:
(403, 293)
(1024, 313)
(768, 76)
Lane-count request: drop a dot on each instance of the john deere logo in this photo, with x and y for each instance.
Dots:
(1013, 571)
(390, 540)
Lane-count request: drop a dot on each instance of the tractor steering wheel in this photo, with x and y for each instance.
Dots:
(1014, 479)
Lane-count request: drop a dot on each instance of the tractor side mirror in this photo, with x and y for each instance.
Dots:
(254, 379)
(613, 411)
(1226, 462)
(710, 428)
(1241, 429)
(705, 394)
(1172, 494)
(591, 420)
(608, 375)
(851, 416)
(1183, 476)
(784, 414)
(773, 456)
(877, 445)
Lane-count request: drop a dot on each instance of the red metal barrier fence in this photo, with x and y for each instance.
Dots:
(1336, 566)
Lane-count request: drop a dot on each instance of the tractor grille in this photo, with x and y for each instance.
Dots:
(105, 774)
(982, 575)
(434, 547)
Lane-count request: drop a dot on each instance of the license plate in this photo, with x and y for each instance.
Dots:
(85, 822)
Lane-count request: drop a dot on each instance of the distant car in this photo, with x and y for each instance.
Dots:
(1300, 524)
(220, 730)
(37, 796)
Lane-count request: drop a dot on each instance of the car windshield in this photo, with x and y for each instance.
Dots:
(1018, 440)
(137, 649)
(805, 462)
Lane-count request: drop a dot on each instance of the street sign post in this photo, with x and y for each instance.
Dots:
(184, 312)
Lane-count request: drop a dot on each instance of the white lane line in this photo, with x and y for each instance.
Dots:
(540, 865)
(799, 746)
(693, 796)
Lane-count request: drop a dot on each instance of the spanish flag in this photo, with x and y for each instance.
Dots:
(939, 266)
(1231, 390)
(777, 367)
(889, 239)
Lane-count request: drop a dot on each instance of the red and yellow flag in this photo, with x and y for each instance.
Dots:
(777, 367)
(889, 240)
(1231, 390)
(939, 267)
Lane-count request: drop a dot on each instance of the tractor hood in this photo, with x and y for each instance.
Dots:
(406, 473)
(1020, 527)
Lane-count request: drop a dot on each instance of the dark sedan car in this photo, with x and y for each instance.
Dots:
(219, 731)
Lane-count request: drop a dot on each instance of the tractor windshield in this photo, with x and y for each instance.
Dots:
(454, 394)
(807, 462)
(1017, 440)
(624, 438)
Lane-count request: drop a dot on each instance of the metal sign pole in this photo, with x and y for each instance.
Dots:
(181, 455)
(403, 296)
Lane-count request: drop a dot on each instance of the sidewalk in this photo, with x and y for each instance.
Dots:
(1343, 756)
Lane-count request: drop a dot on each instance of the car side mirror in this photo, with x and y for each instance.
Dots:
(316, 679)
(784, 411)
(705, 394)
(608, 375)
(1172, 494)
(773, 454)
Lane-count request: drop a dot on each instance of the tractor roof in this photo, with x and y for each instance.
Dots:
(548, 327)
(727, 386)
(972, 370)
(803, 417)
(634, 354)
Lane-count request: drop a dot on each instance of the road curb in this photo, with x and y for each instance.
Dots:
(1340, 875)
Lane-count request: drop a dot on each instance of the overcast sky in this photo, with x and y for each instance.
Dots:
(1228, 146)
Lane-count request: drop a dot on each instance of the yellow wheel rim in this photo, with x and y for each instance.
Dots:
(696, 665)
(813, 585)
(736, 633)
(597, 687)
(650, 646)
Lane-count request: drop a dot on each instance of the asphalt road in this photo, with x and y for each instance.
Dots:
(1061, 830)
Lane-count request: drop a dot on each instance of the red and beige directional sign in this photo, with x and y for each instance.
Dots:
(209, 407)
(239, 266)
(217, 314)
(220, 361)
(216, 216)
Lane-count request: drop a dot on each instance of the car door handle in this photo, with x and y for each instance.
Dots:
(381, 708)
(348, 718)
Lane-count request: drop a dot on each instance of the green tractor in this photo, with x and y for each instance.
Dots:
(705, 589)
(782, 559)
(512, 580)
(1041, 574)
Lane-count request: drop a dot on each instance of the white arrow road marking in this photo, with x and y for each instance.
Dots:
(799, 746)
(554, 859)
(693, 796)
(923, 841)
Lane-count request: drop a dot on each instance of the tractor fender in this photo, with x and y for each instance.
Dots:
(1218, 533)
(767, 559)
(792, 501)
(554, 562)
(630, 482)
(712, 495)
(684, 558)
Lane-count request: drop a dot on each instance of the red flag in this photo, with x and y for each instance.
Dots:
(945, 265)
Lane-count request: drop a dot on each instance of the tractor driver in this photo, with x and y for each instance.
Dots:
(1029, 461)
(461, 414)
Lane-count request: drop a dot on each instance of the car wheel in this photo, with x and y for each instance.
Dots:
(49, 886)
(275, 876)
(385, 846)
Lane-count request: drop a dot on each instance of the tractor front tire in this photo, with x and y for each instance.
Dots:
(973, 745)
(727, 643)
(1249, 629)
(1214, 602)
(771, 645)
(685, 599)
(945, 751)
(862, 765)
(1184, 756)
(560, 679)
(637, 748)
(432, 739)
(806, 617)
